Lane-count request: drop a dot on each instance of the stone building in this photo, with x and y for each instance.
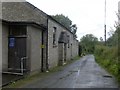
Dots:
(61, 47)
(33, 41)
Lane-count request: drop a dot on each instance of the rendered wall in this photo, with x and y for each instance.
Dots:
(34, 37)
(4, 47)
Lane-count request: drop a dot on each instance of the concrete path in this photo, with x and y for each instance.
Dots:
(9, 78)
(84, 73)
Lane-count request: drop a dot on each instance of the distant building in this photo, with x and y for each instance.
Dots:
(33, 41)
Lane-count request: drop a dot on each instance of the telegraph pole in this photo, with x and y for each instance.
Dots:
(105, 24)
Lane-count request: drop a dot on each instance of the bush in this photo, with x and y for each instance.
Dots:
(108, 58)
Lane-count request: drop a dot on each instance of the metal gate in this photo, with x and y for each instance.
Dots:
(17, 54)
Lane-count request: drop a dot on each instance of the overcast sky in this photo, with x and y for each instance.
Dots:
(87, 14)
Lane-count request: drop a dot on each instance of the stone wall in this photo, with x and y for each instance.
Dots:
(61, 54)
(75, 47)
(55, 52)
(69, 46)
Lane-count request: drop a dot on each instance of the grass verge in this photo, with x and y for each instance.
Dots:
(110, 66)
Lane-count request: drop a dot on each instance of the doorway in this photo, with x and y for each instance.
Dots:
(17, 47)
(16, 53)
(65, 52)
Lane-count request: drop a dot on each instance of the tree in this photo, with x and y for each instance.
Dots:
(74, 28)
(65, 21)
(101, 39)
(113, 39)
(88, 43)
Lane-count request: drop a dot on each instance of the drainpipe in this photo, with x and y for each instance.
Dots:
(47, 64)
(0, 52)
(42, 62)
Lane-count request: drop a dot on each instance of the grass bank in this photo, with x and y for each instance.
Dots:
(107, 57)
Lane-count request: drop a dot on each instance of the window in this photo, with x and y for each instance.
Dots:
(54, 36)
(17, 30)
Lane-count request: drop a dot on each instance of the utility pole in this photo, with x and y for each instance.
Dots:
(105, 23)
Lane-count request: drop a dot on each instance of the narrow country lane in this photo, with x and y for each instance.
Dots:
(84, 73)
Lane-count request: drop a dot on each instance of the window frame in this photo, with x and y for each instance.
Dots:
(54, 36)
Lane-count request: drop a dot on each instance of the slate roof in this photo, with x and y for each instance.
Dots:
(24, 23)
(23, 12)
(26, 12)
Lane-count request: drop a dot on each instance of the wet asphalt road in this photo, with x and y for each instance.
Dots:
(84, 73)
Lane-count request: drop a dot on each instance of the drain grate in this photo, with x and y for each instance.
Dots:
(107, 76)
(73, 71)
